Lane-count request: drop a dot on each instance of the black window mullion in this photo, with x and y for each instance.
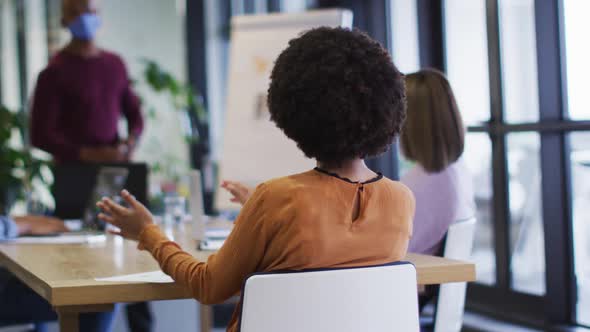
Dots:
(547, 125)
(555, 168)
(501, 215)
(431, 40)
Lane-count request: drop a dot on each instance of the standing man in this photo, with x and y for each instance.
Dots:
(81, 96)
(78, 102)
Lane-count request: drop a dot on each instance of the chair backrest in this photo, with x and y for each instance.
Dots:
(378, 299)
(451, 297)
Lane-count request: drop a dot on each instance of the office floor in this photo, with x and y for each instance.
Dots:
(179, 315)
(584, 300)
(168, 312)
(477, 323)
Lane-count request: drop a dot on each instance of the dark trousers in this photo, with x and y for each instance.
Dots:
(139, 317)
(21, 305)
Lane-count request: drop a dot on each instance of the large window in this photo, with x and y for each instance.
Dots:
(404, 34)
(9, 57)
(478, 157)
(577, 26)
(466, 37)
(467, 60)
(580, 173)
(519, 60)
(503, 61)
(527, 247)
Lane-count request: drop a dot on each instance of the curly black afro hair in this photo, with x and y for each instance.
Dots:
(337, 94)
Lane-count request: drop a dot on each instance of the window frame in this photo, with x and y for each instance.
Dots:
(558, 305)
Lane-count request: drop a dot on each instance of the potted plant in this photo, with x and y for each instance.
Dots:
(189, 103)
(18, 166)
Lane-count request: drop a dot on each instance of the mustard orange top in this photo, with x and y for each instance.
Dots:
(297, 222)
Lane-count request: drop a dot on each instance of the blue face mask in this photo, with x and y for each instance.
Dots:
(85, 26)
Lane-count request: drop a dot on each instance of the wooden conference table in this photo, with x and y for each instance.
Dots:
(65, 274)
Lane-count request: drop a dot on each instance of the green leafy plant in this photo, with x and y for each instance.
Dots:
(18, 166)
(184, 97)
(188, 102)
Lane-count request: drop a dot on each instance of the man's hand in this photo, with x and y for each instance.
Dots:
(105, 154)
(127, 147)
(131, 221)
(39, 225)
(239, 191)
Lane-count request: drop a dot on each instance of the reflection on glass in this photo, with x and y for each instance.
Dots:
(217, 60)
(580, 175)
(404, 33)
(527, 245)
(467, 58)
(36, 40)
(477, 156)
(10, 83)
(294, 6)
(577, 26)
(519, 60)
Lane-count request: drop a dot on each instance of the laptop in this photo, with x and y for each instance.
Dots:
(109, 183)
(74, 186)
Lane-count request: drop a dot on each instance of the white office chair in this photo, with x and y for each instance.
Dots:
(377, 299)
(451, 297)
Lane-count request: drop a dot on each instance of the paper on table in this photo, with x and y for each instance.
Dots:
(73, 225)
(211, 245)
(217, 233)
(60, 239)
(214, 238)
(151, 277)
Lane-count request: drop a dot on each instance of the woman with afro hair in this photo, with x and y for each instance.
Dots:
(337, 94)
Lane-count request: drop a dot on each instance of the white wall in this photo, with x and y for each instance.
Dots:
(152, 29)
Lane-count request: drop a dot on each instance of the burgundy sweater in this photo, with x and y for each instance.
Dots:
(78, 102)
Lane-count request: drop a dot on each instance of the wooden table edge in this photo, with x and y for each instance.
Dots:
(67, 293)
(462, 273)
(79, 292)
(35, 283)
(70, 292)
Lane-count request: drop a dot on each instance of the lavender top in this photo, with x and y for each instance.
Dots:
(441, 199)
